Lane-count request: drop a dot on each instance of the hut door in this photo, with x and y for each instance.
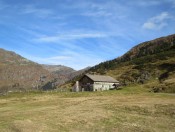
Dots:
(88, 87)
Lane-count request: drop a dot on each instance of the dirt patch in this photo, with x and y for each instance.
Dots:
(26, 126)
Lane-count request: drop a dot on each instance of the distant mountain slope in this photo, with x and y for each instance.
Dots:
(63, 73)
(59, 69)
(150, 63)
(17, 72)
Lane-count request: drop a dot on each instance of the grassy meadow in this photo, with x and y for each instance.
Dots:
(128, 110)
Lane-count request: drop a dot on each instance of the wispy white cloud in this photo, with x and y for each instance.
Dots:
(99, 9)
(40, 12)
(157, 22)
(146, 3)
(29, 31)
(97, 14)
(59, 58)
(51, 60)
(70, 37)
(172, 3)
(69, 58)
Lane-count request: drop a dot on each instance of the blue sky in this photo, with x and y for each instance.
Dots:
(81, 33)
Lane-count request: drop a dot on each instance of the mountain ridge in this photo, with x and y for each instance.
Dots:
(58, 69)
(10, 57)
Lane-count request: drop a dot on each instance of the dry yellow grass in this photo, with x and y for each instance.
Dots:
(100, 111)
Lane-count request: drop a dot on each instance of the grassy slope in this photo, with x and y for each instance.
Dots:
(130, 109)
(154, 66)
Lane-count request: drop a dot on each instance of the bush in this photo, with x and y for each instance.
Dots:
(4, 90)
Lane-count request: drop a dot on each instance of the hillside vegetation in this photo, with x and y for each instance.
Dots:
(18, 73)
(150, 63)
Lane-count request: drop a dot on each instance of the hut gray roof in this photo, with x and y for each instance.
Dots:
(100, 78)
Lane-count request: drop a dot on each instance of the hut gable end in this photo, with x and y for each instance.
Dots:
(85, 80)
